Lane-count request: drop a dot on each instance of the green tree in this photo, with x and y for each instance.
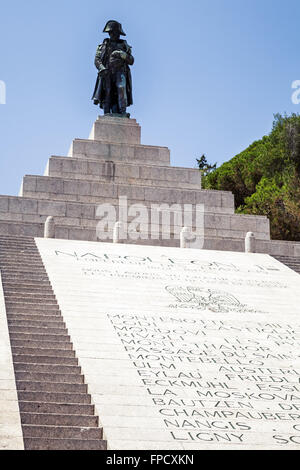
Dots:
(265, 178)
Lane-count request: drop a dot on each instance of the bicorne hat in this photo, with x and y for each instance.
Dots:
(112, 24)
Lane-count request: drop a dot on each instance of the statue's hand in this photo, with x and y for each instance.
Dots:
(123, 55)
(119, 55)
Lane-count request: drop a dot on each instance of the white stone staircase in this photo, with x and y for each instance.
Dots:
(55, 407)
(293, 262)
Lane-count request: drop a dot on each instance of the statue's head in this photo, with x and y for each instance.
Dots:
(114, 29)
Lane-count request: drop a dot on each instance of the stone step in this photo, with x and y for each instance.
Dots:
(54, 397)
(36, 323)
(23, 269)
(96, 150)
(38, 443)
(27, 299)
(61, 432)
(8, 252)
(290, 261)
(43, 351)
(49, 377)
(47, 368)
(28, 385)
(56, 360)
(16, 295)
(17, 270)
(23, 266)
(74, 190)
(27, 292)
(124, 173)
(34, 330)
(26, 249)
(15, 307)
(14, 256)
(59, 419)
(17, 242)
(291, 265)
(16, 252)
(24, 280)
(16, 238)
(27, 285)
(34, 304)
(30, 274)
(47, 345)
(23, 246)
(12, 263)
(17, 249)
(27, 289)
(28, 278)
(116, 129)
(51, 319)
(38, 337)
(56, 408)
(25, 277)
(24, 308)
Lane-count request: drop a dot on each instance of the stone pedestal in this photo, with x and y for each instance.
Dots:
(117, 130)
(113, 164)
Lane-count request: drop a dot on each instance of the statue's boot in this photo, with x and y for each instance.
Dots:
(106, 108)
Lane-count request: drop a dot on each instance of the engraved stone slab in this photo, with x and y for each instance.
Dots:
(183, 349)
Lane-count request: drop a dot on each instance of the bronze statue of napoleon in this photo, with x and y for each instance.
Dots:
(113, 90)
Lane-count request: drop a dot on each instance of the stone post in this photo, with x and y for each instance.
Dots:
(185, 235)
(250, 243)
(118, 232)
(49, 228)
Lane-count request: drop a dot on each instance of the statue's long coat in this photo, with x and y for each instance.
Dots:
(101, 62)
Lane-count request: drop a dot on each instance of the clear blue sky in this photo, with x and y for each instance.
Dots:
(208, 75)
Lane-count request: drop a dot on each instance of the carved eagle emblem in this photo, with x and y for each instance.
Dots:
(207, 299)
